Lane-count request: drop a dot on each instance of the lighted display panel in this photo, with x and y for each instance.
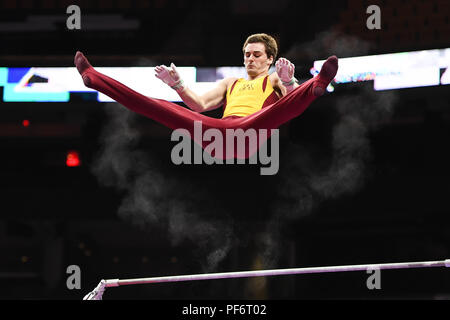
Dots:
(387, 71)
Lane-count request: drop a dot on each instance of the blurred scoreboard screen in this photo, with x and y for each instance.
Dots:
(387, 71)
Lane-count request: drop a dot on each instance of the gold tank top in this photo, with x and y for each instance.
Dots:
(246, 97)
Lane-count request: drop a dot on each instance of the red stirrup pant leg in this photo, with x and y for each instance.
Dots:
(282, 111)
(167, 113)
(287, 108)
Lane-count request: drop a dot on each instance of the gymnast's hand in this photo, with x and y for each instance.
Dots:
(285, 70)
(169, 76)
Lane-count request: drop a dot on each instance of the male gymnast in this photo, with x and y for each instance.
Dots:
(262, 101)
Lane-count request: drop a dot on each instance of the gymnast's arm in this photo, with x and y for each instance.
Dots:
(211, 100)
(208, 101)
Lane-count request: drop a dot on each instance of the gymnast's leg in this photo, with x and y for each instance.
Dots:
(167, 113)
(295, 103)
(290, 106)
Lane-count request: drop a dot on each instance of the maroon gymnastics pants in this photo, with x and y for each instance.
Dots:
(177, 117)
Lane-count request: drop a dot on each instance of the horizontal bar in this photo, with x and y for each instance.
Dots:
(278, 272)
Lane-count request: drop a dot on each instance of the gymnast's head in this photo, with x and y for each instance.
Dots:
(260, 51)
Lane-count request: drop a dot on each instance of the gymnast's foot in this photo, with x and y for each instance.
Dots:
(326, 75)
(83, 65)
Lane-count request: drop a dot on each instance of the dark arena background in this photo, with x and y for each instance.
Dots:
(89, 190)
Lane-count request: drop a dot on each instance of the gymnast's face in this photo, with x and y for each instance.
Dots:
(255, 60)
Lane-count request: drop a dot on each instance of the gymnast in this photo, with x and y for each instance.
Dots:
(262, 101)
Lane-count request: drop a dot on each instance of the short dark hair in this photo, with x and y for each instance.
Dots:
(269, 43)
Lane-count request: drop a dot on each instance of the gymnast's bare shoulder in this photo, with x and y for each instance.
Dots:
(229, 82)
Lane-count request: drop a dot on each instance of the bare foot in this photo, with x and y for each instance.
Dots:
(82, 65)
(326, 75)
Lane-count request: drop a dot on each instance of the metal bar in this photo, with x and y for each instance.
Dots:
(277, 272)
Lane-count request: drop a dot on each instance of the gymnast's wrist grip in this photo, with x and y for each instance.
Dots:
(290, 83)
(178, 86)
